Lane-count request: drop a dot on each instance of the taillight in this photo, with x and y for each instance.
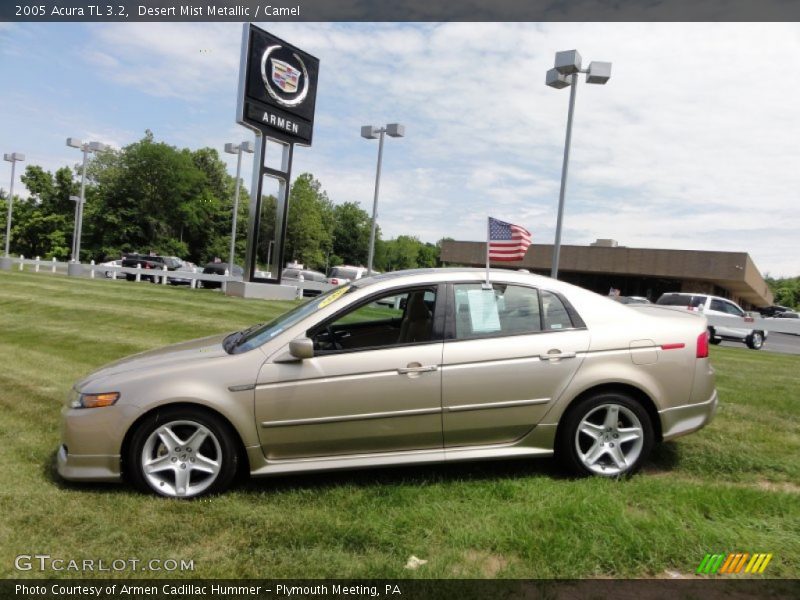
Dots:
(334, 281)
(702, 345)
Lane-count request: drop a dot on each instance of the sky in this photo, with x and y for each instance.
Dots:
(694, 143)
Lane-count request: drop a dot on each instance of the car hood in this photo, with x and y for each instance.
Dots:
(194, 350)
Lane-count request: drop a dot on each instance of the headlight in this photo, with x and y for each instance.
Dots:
(94, 400)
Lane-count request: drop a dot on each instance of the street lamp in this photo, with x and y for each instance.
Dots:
(77, 200)
(74, 267)
(236, 149)
(13, 157)
(565, 74)
(371, 132)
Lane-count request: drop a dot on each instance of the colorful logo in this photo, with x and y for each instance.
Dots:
(287, 84)
(285, 76)
(735, 562)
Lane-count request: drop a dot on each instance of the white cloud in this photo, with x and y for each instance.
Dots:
(692, 144)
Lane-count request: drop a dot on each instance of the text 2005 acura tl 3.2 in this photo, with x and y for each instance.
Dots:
(411, 367)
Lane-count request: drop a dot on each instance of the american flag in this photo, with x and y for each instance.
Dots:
(507, 242)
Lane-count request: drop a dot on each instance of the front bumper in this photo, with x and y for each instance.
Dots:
(88, 467)
(688, 418)
(91, 440)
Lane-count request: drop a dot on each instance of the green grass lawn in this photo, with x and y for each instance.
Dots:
(734, 486)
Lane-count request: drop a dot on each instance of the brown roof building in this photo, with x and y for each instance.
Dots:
(645, 272)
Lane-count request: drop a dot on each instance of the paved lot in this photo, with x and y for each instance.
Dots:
(782, 343)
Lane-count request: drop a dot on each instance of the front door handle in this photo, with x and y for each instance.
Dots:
(417, 368)
(556, 354)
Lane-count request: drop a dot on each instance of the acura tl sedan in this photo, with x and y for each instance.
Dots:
(410, 367)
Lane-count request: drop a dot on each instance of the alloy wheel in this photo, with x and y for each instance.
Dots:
(609, 439)
(181, 458)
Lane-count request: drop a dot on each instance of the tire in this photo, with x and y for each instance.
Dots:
(755, 340)
(181, 470)
(586, 444)
(711, 338)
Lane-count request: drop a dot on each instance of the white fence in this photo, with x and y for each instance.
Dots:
(195, 278)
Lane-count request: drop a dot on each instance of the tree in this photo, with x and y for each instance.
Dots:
(151, 196)
(351, 234)
(786, 291)
(310, 224)
(42, 223)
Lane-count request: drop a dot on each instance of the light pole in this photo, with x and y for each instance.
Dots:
(565, 74)
(236, 149)
(77, 200)
(371, 132)
(13, 157)
(74, 268)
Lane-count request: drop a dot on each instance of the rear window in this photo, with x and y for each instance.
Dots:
(682, 300)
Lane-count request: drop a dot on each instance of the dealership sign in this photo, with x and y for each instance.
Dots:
(277, 88)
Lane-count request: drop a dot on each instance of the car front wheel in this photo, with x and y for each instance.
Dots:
(607, 434)
(182, 453)
(755, 340)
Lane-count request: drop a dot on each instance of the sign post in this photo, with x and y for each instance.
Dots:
(277, 97)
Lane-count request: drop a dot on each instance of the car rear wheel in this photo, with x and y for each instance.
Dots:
(183, 453)
(711, 338)
(755, 340)
(607, 434)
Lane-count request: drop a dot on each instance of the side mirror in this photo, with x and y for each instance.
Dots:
(301, 348)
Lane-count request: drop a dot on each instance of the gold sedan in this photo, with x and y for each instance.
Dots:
(409, 367)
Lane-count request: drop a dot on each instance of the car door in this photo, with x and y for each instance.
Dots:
(508, 354)
(373, 385)
(718, 306)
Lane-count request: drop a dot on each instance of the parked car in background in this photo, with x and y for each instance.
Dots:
(294, 276)
(529, 367)
(631, 299)
(111, 263)
(787, 314)
(715, 305)
(215, 268)
(773, 311)
(144, 261)
(177, 266)
(346, 274)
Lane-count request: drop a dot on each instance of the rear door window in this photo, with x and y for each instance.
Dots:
(554, 313)
(501, 310)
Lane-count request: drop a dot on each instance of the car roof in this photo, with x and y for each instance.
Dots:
(455, 274)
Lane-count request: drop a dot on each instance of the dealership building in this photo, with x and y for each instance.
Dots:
(645, 272)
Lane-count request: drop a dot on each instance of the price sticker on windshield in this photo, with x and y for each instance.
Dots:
(333, 297)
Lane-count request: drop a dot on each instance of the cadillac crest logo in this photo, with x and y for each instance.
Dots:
(285, 76)
(286, 84)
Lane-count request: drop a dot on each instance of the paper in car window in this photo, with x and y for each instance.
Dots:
(334, 296)
(483, 311)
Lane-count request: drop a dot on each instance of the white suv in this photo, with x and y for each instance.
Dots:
(714, 305)
(346, 274)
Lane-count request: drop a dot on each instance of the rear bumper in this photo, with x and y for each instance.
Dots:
(688, 418)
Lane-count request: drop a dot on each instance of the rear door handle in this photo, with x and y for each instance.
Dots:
(417, 369)
(555, 354)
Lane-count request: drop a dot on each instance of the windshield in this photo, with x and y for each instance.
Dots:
(261, 334)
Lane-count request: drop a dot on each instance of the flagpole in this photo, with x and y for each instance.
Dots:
(488, 237)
